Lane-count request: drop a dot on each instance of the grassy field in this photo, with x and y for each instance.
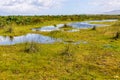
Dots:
(24, 29)
(97, 59)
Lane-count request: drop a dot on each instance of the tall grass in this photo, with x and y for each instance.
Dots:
(117, 35)
(9, 29)
(94, 28)
(31, 47)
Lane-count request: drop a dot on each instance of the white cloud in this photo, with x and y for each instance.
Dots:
(107, 5)
(28, 6)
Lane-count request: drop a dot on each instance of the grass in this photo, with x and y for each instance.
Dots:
(98, 59)
(24, 29)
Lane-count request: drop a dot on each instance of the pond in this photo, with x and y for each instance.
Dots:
(75, 25)
(81, 25)
(109, 20)
(8, 40)
(37, 38)
(49, 28)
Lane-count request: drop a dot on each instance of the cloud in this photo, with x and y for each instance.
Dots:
(28, 6)
(107, 5)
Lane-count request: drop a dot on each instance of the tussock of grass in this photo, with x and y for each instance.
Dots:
(31, 47)
(94, 28)
(117, 36)
(9, 30)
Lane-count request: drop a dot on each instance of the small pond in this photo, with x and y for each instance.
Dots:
(75, 25)
(109, 20)
(49, 28)
(80, 25)
(37, 38)
(8, 40)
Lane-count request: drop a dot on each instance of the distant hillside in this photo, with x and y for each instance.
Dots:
(113, 12)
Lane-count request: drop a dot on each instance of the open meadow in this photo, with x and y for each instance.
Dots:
(83, 47)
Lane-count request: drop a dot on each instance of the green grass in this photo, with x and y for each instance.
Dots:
(24, 29)
(98, 59)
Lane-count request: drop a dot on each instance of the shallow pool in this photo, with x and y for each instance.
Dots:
(9, 40)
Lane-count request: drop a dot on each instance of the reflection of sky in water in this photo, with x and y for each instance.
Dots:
(26, 38)
(81, 25)
(49, 28)
(32, 38)
(75, 25)
(45, 39)
(109, 20)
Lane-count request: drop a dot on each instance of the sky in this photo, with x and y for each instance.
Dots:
(57, 7)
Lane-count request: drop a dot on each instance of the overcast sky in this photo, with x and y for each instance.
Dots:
(57, 7)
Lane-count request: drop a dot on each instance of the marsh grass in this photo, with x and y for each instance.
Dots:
(116, 24)
(67, 54)
(24, 29)
(66, 51)
(60, 61)
(66, 26)
(94, 28)
(55, 25)
(117, 35)
(2, 25)
(9, 29)
(31, 47)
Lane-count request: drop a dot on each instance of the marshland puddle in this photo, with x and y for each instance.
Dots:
(49, 28)
(109, 20)
(8, 40)
(38, 38)
(75, 26)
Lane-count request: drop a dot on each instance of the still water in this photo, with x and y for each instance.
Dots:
(74, 25)
(8, 40)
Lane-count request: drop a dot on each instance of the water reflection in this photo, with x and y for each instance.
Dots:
(49, 28)
(81, 25)
(9, 40)
(75, 25)
(109, 20)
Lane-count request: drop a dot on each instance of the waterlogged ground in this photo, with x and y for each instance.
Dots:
(82, 55)
(75, 26)
(38, 38)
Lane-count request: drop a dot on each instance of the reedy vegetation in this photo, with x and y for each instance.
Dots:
(98, 59)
